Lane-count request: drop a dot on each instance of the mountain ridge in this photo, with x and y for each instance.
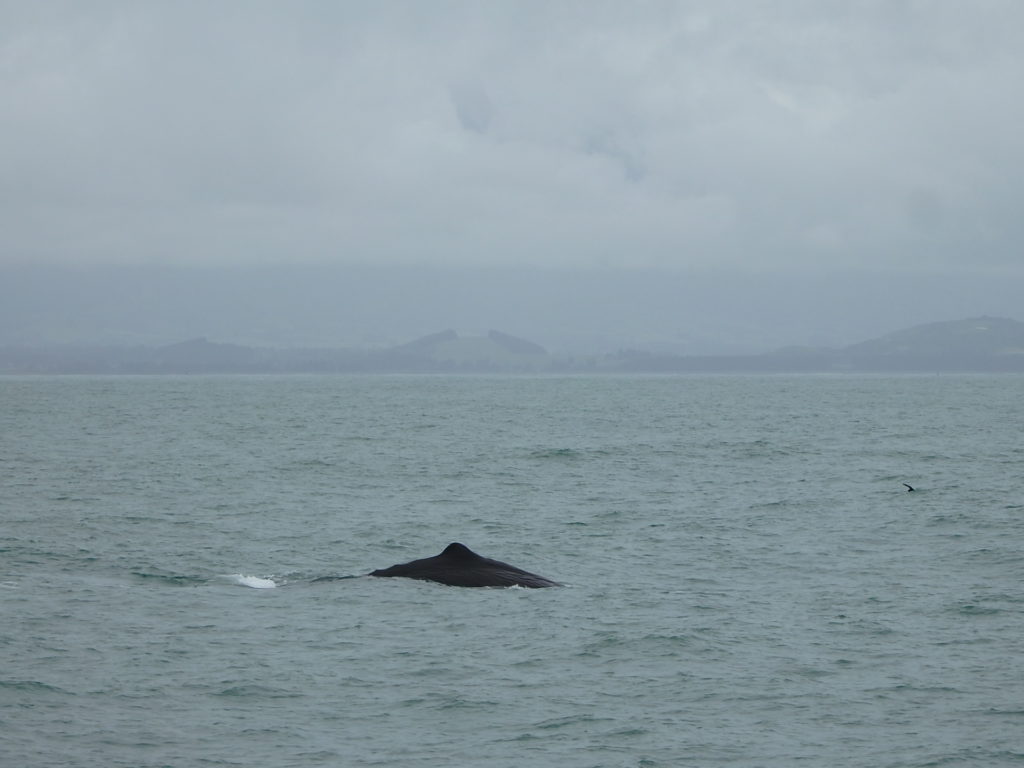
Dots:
(973, 344)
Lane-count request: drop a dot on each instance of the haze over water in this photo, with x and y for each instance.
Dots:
(748, 581)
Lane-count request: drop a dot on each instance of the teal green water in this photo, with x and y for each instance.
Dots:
(748, 583)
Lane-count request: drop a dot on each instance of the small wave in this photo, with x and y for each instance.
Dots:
(568, 454)
(554, 453)
(32, 685)
(320, 579)
(973, 609)
(171, 579)
(257, 691)
(255, 582)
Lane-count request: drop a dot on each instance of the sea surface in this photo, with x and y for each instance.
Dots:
(747, 581)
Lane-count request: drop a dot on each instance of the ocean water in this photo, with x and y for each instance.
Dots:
(748, 583)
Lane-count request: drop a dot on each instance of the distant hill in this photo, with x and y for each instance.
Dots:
(977, 336)
(495, 352)
(979, 343)
(982, 344)
(200, 355)
(427, 344)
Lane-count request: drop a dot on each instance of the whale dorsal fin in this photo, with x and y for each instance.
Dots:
(458, 551)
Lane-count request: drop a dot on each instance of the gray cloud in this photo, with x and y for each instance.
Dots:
(683, 134)
(473, 107)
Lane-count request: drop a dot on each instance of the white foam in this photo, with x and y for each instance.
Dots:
(251, 581)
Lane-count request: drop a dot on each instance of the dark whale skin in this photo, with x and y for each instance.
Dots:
(459, 566)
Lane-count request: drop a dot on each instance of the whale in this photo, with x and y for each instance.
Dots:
(459, 566)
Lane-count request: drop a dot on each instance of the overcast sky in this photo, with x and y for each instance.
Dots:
(754, 135)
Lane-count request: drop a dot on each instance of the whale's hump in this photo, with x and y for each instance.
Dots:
(459, 566)
(456, 551)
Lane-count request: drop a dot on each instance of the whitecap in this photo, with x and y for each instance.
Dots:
(255, 582)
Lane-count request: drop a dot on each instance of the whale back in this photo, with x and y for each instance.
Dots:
(459, 566)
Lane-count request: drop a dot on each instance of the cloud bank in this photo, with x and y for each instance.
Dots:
(751, 136)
